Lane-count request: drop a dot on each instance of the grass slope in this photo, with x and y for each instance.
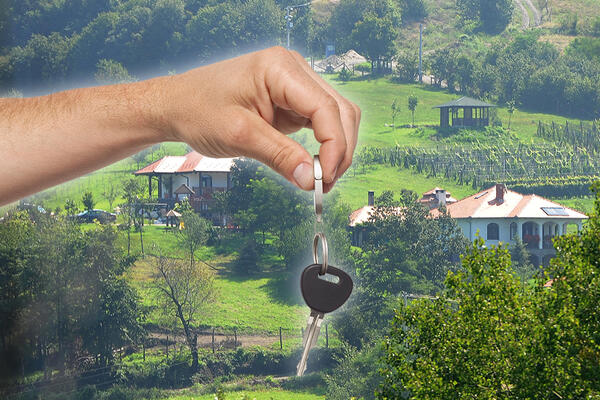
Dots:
(273, 394)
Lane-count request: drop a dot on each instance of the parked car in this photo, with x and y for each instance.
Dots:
(90, 215)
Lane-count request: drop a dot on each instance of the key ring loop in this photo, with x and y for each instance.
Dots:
(321, 236)
(318, 197)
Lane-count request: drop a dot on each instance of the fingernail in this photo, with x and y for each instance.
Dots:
(303, 174)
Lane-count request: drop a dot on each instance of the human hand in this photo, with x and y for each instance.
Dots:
(247, 105)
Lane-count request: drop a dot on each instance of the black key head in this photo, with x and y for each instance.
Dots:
(322, 295)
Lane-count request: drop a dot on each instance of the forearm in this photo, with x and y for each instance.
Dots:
(51, 139)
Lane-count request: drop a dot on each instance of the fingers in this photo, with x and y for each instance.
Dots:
(284, 155)
(350, 117)
(292, 88)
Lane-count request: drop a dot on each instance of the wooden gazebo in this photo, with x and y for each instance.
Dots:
(465, 112)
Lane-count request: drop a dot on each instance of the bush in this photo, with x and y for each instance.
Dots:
(345, 75)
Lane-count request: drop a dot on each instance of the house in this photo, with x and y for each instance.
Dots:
(497, 214)
(193, 177)
(500, 215)
(358, 218)
(436, 197)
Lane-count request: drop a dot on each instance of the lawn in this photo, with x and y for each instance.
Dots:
(256, 304)
(272, 394)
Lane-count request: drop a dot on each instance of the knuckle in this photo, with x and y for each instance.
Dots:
(280, 157)
(239, 130)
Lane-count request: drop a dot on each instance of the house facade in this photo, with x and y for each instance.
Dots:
(497, 215)
(500, 215)
(193, 177)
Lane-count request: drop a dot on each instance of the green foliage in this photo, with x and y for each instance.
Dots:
(248, 259)
(413, 101)
(110, 71)
(554, 169)
(407, 66)
(404, 250)
(194, 235)
(514, 340)
(357, 375)
(345, 75)
(363, 67)
(69, 283)
(585, 47)
(413, 10)
(492, 15)
(395, 107)
(88, 201)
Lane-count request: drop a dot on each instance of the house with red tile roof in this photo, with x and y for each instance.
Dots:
(497, 214)
(500, 215)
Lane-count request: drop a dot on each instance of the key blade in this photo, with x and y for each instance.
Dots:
(313, 327)
(315, 337)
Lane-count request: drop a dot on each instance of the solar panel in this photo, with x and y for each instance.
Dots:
(555, 211)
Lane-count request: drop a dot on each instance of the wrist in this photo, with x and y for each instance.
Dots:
(148, 109)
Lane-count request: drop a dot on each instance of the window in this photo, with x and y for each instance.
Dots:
(493, 232)
(513, 231)
(207, 181)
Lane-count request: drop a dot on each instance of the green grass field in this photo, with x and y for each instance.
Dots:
(273, 394)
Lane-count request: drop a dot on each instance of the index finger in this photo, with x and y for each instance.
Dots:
(292, 88)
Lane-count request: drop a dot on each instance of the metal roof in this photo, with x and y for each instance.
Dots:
(465, 102)
(191, 162)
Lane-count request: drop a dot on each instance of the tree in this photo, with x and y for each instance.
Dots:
(363, 67)
(375, 36)
(491, 15)
(184, 290)
(88, 201)
(413, 10)
(70, 207)
(431, 340)
(110, 71)
(131, 192)
(195, 233)
(510, 107)
(412, 106)
(110, 194)
(395, 107)
(407, 66)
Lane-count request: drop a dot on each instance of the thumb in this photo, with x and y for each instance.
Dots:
(279, 152)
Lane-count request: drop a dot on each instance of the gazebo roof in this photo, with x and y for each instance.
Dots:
(465, 102)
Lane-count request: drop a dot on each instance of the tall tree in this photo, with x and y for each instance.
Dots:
(88, 201)
(194, 234)
(184, 290)
(413, 101)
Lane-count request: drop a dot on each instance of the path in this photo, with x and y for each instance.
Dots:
(537, 15)
(525, 14)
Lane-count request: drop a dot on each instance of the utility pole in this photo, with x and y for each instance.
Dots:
(288, 19)
(421, 53)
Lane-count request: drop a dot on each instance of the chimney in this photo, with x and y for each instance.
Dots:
(371, 198)
(500, 190)
(440, 195)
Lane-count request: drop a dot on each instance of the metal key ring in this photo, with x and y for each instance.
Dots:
(320, 235)
(318, 198)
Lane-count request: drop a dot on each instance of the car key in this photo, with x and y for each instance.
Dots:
(322, 296)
